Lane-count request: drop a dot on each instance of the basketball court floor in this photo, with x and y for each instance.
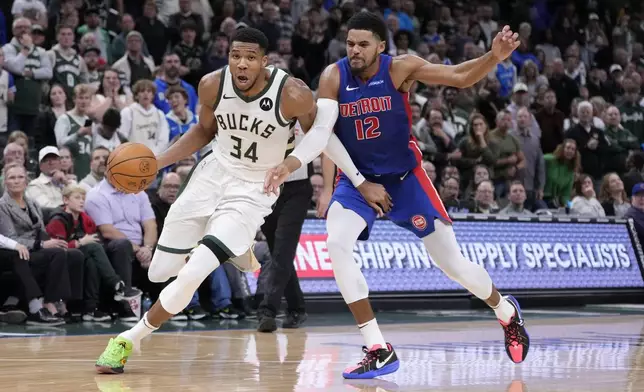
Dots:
(591, 349)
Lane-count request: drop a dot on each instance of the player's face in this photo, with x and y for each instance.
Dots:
(246, 62)
(363, 48)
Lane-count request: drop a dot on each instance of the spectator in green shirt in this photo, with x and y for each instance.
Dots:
(561, 167)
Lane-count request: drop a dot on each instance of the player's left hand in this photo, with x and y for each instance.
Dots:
(504, 43)
(275, 177)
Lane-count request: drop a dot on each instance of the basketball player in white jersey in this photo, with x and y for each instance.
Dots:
(251, 110)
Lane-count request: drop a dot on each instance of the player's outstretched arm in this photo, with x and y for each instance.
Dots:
(201, 133)
(409, 67)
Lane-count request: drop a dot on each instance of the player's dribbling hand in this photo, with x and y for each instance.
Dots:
(275, 177)
(504, 43)
(376, 196)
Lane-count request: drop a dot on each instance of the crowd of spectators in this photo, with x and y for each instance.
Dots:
(557, 128)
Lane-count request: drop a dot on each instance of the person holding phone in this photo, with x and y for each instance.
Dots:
(74, 130)
(70, 223)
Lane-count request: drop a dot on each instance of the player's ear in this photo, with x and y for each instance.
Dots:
(264, 61)
(381, 47)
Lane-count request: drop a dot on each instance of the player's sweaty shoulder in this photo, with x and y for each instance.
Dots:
(329, 84)
(209, 87)
(402, 66)
(297, 98)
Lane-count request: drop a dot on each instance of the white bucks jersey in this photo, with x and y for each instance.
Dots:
(252, 135)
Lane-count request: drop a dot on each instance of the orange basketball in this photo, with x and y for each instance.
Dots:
(131, 167)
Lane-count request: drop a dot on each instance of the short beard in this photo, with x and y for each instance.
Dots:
(359, 71)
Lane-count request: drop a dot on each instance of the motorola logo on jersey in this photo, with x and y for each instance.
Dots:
(242, 122)
(365, 106)
(266, 104)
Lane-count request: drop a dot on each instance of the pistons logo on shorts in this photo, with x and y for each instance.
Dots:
(419, 222)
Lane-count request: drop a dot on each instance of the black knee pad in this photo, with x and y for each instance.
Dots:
(218, 248)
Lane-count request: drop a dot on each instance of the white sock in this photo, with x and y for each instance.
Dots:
(371, 334)
(35, 305)
(504, 310)
(142, 329)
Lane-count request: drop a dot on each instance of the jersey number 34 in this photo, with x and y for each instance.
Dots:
(367, 128)
(249, 153)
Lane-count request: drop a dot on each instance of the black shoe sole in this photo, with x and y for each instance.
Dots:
(267, 325)
(13, 317)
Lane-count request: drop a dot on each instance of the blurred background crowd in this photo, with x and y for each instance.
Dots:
(557, 128)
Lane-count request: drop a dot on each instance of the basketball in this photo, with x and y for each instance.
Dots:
(131, 167)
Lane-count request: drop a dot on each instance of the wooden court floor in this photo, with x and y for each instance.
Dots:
(586, 354)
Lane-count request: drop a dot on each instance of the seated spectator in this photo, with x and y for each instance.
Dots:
(104, 134)
(7, 93)
(73, 130)
(533, 174)
(481, 173)
(169, 78)
(620, 142)
(613, 196)
(58, 270)
(635, 166)
(134, 66)
(591, 142)
(429, 168)
(550, 120)
(517, 197)
(561, 168)
(97, 168)
(54, 107)
(93, 25)
(130, 217)
(475, 148)
(142, 122)
(12, 153)
(636, 211)
(179, 118)
(110, 94)
(67, 164)
(484, 199)
(118, 45)
(22, 139)
(73, 225)
(47, 190)
(449, 192)
(29, 75)
(509, 157)
(585, 203)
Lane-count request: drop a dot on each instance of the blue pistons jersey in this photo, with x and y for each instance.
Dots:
(374, 126)
(375, 121)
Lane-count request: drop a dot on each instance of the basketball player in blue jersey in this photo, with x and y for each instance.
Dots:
(373, 142)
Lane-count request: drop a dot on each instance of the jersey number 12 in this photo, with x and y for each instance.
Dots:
(250, 153)
(367, 128)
